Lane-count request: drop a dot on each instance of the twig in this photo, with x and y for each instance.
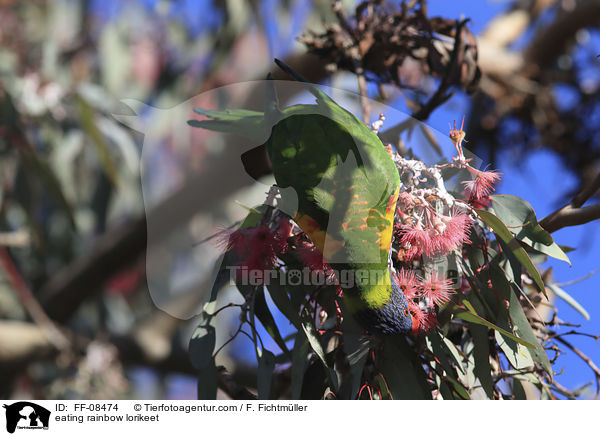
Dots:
(573, 214)
(442, 95)
(553, 334)
(228, 341)
(338, 9)
(228, 385)
(580, 279)
(357, 60)
(586, 359)
(569, 393)
(550, 41)
(586, 192)
(362, 90)
(20, 238)
(33, 307)
(569, 216)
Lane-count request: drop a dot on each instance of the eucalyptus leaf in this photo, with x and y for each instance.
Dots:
(299, 364)
(501, 231)
(518, 356)
(266, 367)
(280, 297)
(519, 217)
(315, 344)
(481, 357)
(357, 349)
(202, 343)
(263, 313)
(404, 376)
(207, 381)
(520, 322)
(471, 316)
(562, 294)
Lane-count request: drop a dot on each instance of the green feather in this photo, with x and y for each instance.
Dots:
(346, 183)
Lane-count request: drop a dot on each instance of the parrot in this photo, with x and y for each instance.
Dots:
(347, 186)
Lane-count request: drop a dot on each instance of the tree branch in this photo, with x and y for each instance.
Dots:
(550, 41)
(583, 357)
(573, 214)
(440, 96)
(30, 303)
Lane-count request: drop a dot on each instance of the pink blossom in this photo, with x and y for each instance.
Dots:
(437, 289)
(281, 235)
(407, 281)
(417, 241)
(417, 316)
(429, 322)
(405, 200)
(231, 240)
(257, 248)
(455, 231)
(482, 184)
(310, 256)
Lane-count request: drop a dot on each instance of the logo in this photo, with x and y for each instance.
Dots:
(26, 415)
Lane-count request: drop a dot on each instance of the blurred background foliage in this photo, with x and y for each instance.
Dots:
(76, 317)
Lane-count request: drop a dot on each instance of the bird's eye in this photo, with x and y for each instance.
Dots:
(405, 311)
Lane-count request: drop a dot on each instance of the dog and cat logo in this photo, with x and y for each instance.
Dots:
(26, 415)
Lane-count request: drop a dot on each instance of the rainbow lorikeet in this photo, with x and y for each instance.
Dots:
(347, 186)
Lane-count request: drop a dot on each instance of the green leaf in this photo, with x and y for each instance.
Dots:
(315, 344)
(510, 293)
(404, 375)
(456, 356)
(284, 304)
(519, 217)
(202, 346)
(566, 248)
(266, 367)
(249, 124)
(559, 292)
(501, 231)
(357, 349)
(518, 357)
(263, 313)
(442, 385)
(222, 275)
(481, 357)
(553, 250)
(443, 348)
(88, 123)
(517, 389)
(299, 363)
(207, 381)
(471, 316)
(460, 392)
